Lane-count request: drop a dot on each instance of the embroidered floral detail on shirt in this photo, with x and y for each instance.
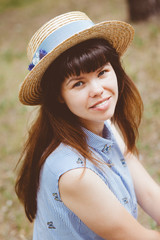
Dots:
(106, 148)
(50, 225)
(123, 162)
(80, 161)
(56, 197)
(125, 200)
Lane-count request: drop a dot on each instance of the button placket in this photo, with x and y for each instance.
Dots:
(107, 151)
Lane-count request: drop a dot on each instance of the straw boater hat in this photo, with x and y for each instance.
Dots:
(58, 35)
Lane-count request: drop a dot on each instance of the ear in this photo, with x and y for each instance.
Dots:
(60, 99)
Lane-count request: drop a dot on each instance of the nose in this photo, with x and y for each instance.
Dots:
(96, 88)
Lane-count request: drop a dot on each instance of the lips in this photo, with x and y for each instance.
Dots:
(100, 103)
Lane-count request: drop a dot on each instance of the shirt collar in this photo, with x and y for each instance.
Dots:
(100, 143)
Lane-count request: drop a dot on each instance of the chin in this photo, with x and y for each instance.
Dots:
(109, 115)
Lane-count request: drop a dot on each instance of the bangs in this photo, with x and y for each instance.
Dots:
(85, 57)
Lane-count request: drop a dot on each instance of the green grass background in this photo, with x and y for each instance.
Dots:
(18, 21)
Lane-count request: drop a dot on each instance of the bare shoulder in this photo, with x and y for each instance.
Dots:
(87, 195)
(78, 178)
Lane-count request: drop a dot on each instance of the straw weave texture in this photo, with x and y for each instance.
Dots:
(119, 34)
(50, 27)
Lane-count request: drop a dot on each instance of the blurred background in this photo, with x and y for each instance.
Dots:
(18, 22)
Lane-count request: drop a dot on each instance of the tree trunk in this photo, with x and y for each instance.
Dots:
(142, 9)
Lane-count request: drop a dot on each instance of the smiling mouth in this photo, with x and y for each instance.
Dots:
(100, 103)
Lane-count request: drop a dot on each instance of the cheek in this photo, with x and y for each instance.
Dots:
(116, 86)
(69, 99)
(75, 103)
(113, 84)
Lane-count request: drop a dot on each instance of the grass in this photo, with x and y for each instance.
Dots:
(11, 4)
(20, 20)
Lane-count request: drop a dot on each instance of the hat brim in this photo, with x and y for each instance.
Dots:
(118, 33)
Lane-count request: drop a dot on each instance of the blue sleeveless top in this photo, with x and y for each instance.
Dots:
(54, 221)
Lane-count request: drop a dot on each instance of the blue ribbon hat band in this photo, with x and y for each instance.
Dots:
(57, 37)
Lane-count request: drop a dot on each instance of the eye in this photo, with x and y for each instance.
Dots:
(102, 72)
(78, 84)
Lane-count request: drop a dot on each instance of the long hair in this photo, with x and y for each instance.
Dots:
(56, 124)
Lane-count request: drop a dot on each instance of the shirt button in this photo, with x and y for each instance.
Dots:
(125, 200)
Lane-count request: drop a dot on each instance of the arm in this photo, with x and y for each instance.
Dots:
(147, 190)
(93, 202)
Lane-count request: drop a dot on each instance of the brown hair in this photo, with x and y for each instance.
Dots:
(56, 123)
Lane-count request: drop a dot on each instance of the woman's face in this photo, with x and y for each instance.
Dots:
(92, 96)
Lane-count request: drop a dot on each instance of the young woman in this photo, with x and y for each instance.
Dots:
(80, 179)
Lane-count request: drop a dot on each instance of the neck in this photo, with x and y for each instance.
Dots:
(96, 127)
